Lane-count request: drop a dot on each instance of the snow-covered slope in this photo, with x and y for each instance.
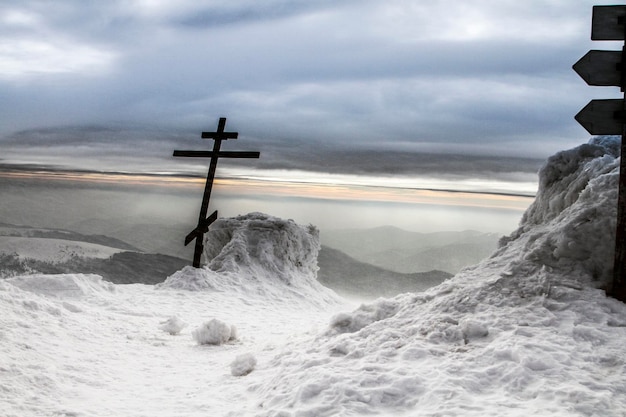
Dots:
(74, 345)
(52, 250)
(528, 331)
(32, 250)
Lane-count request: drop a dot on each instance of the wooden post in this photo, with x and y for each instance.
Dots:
(618, 289)
(203, 221)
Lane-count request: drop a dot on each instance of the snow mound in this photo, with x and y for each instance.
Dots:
(214, 332)
(258, 255)
(173, 325)
(243, 364)
(528, 331)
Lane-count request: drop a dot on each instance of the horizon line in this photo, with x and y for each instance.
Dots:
(32, 171)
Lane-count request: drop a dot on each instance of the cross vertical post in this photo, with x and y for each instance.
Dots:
(203, 221)
(207, 190)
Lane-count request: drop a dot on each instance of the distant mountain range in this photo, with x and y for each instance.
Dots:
(408, 252)
(26, 250)
(348, 276)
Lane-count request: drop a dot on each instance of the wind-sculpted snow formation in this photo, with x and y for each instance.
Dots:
(528, 331)
(258, 255)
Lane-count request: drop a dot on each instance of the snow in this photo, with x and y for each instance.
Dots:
(63, 286)
(53, 250)
(527, 331)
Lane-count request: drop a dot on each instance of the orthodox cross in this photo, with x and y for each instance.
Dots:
(203, 221)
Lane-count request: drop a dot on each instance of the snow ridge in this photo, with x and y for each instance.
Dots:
(570, 228)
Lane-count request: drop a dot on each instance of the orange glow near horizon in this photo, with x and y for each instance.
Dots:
(283, 188)
(372, 194)
(106, 178)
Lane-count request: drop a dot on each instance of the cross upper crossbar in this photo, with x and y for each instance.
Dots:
(220, 134)
(203, 221)
(221, 154)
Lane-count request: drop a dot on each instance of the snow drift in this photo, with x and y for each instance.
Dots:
(258, 255)
(63, 285)
(528, 331)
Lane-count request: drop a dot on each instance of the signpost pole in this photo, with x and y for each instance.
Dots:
(618, 289)
(608, 117)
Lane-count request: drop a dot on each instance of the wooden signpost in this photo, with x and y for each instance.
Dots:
(203, 221)
(608, 117)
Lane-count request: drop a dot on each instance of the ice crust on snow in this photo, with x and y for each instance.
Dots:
(261, 256)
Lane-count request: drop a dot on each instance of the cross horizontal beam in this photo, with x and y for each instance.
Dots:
(220, 135)
(220, 154)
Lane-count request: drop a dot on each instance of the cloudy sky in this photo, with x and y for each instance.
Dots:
(426, 94)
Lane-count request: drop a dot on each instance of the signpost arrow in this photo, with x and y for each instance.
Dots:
(602, 117)
(607, 23)
(601, 68)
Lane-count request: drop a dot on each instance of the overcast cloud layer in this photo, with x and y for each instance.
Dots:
(473, 88)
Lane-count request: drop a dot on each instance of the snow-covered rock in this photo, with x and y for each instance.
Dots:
(260, 256)
(173, 325)
(214, 332)
(243, 364)
(570, 227)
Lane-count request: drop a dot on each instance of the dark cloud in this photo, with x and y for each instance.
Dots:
(238, 12)
(115, 150)
(389, 88)
(359, 160)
